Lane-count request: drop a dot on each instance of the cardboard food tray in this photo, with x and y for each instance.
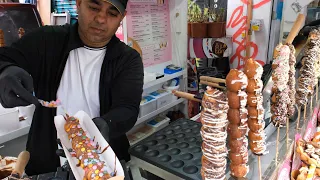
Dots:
(92, 131)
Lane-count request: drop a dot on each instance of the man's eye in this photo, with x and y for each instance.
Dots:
(113, 14)
(93, 8)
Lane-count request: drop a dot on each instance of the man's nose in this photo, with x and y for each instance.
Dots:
(101, 18)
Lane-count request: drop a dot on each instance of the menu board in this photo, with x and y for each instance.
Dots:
(148, 25)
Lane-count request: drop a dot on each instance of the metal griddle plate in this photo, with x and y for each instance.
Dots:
(176, 149)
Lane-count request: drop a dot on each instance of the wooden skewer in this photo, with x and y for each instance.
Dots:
(22, 161)
(185, 95)
(212, 79)
(311, 106)
(212, 84)
(259, 167)
(298, 118)
(295, 28)
(288, 133)
(317, 89)
(277, 146)
(248, 30)
(305, 112)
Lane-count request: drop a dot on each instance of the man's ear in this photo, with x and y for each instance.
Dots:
(78, 3)
(124, 14)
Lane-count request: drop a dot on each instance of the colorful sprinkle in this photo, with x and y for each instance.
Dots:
(97, 177)
(101, 174)
(96, 171)
(94, 167)
(90, 165)
(83, 149)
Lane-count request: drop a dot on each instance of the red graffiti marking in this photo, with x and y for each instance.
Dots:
(236, 19)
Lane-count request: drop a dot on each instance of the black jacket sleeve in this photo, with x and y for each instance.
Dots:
(126, 93)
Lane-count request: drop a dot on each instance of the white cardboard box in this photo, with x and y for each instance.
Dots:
(148, 105)
(92, 131)
(163, 97)
(9, 120)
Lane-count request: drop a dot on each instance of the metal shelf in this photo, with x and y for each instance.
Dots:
(164, 79)
(158, 111)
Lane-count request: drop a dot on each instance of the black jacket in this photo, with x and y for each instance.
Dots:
(43, 53)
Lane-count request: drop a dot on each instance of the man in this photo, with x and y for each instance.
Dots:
(84, 66)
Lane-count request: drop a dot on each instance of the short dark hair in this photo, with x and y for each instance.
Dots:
(124, 3)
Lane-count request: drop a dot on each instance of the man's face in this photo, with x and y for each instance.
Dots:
(98, 20)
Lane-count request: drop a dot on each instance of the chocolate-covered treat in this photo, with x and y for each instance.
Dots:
(236, 81)
(307, 78)
(237, 84)
(292, 81)
(280, 77)
(255, 108)
(213, 132)
(87, 151)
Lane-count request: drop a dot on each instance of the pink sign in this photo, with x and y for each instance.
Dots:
(148, 24)
(312, 126)
(296, 164)
(284, 171)
(120, 33)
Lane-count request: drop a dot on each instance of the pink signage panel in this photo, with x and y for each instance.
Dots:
(148, 24)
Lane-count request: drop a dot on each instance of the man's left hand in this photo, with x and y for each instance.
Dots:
(103, 127)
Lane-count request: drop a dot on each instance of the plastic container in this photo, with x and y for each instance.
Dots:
(158, 122)
(162, 96)
(216, 29)
(148, 77)
(172, 85)
(9, 120)
(171, 69)
(170, 89)
(148, 104)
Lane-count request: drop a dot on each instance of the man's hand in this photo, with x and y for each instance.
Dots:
(103, 127)
(16, 88)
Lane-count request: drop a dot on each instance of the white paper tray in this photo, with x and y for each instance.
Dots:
(87, 125)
